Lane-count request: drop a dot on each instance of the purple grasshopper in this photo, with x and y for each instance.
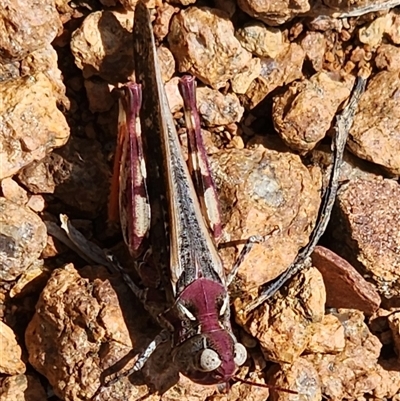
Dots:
(159, 206)
(204, 346)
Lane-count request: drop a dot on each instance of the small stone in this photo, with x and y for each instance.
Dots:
(22, 388)
(174, 97)
(242, 81)
(351, 373)
(300, 376)
(368, 235)
(218, 109)
(163, 20)
(23, 237)
(262, 41)
(393, 31)
(274, 12)
(53, 248)
(388, 57)
(37, 177)
(304, 112)
(345, 287)
(314, 45)
(99, 96)
(327, 336)
(394, 324)
(31, 280)
(203, 43)
(36, 203)
(167, 63)
(10, 361)
(13, 192)
(261, 189)
(103, 45)
(374, 133)
(31, 123)
(284, 326)
(26, 27)
(274, 73)
(373, 33)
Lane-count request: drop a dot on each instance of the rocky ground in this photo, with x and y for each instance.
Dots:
(271, 78)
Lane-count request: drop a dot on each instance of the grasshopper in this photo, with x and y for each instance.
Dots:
(159, 205)
(169, 227)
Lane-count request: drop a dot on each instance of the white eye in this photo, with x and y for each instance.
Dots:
(209, 360)
(240, 354)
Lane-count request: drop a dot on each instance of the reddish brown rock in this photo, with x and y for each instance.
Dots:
(174, 97)
(394, 324)
(22, 388)
(36, 203)
(262, 41)
(217, 109)
(103, 45)
(38, 177)
(32, 280)
(304, 112)
(77, 174)
(274, 12)
(327, 336)
(372, 34)
(387, 379)
(283, 326)
(10, 361)
(314, 44)
(261, 190)
(368, 234)
(374, 134)
(274, 73)
(74, 317)
(23, 237)
(167, 63)
(300, 376)
(13, 192)
(351, 373)
(164, 15)
(242, 81)
(203, 43)
(388, 57)
(345, 287)
(31, 125)
(26, 26)
(99, 96)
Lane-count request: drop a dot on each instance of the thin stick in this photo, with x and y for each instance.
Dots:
(343, 124)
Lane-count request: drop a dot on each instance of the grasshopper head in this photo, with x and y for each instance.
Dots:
(210, 358)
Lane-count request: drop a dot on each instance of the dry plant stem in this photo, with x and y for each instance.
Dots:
(343, 124)
(323, 11)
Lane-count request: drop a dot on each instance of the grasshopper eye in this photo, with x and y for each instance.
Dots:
(209, 360)
(240, 354)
